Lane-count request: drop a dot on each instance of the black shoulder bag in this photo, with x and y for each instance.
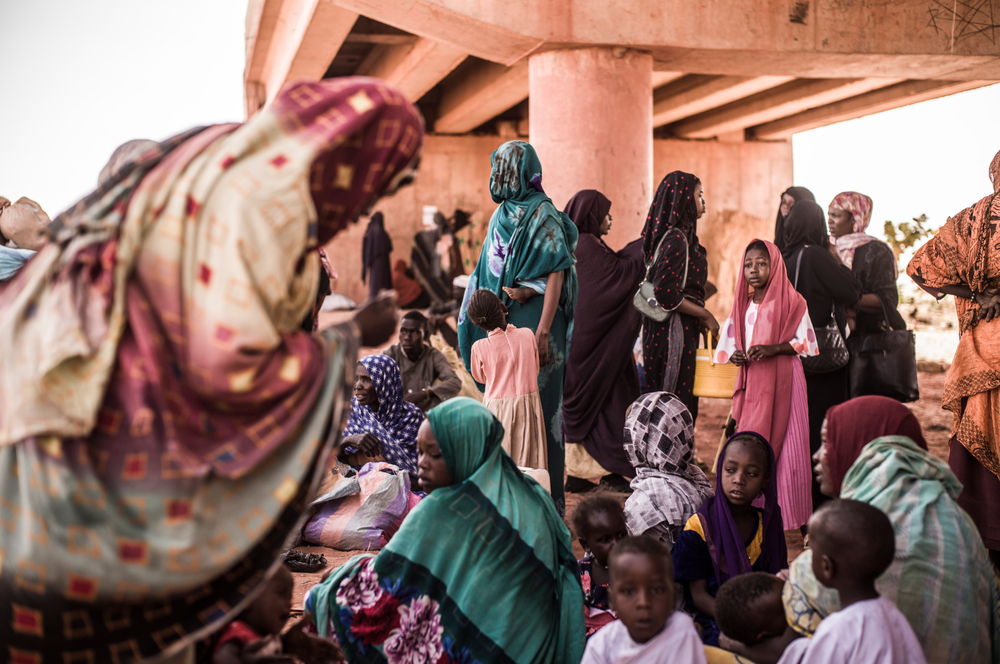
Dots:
(884, 363)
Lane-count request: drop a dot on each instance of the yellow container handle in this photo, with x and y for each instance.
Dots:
(706, 337)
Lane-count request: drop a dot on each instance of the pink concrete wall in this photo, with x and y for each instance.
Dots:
(591, 119)
(454, 172)
(742, 184)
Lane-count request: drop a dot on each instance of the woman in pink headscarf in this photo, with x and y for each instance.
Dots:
(765, 335)
(870, 259)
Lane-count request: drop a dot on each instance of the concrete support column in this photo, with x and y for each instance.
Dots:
(591, 121)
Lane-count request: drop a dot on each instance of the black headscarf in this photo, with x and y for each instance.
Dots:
(805, 224)
(673, 206)
(799, 194)
(587, 209)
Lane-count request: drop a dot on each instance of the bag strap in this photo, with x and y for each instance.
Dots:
(798, 267)
(656, 256)
(795, 284)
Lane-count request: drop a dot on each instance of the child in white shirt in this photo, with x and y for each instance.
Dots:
(648, 630)
(852, 545)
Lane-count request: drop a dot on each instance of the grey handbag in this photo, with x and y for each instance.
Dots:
(644, 299)
(833, 353)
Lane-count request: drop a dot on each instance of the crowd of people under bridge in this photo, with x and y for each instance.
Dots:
(171, 421)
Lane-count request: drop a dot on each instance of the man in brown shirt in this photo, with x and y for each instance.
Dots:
(428, 379)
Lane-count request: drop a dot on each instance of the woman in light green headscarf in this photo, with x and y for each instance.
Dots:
(482, 570)
(528, 251)
(941, 578)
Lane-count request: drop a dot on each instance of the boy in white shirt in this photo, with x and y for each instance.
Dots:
(853, 543)
(648, 630)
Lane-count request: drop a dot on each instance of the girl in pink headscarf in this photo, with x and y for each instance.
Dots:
(765, 335)
(871, 261)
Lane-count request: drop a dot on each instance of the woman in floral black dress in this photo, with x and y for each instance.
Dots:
(668, 347)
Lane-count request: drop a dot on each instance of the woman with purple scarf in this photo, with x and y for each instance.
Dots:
(729, 535)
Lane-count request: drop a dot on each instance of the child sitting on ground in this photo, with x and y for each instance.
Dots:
(506, 361)
(853, 543)
(749, 609)
(728, 536)
(599, 523)
(648, 630)
(255, 634)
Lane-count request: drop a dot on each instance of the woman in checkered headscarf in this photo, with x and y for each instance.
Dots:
(669, 486)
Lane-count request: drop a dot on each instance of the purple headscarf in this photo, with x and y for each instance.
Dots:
(728, 551)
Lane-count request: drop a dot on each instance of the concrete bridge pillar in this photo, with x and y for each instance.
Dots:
(591, 121)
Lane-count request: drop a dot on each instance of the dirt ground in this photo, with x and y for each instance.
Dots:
(712, 415)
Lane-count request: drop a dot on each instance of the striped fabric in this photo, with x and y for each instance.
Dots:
(941, 578)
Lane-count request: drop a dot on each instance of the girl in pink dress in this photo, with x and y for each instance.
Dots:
(506, 361)
(765, 335)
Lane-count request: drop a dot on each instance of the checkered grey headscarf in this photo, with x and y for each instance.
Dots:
(668, 486)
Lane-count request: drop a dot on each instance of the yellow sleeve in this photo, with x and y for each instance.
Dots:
(694, 523)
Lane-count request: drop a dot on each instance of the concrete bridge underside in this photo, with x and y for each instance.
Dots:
(615, 95)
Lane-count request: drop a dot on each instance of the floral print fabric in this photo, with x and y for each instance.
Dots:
(804, 342)
(482, 570)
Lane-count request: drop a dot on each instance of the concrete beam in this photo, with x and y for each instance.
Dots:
(306, 38)
(697, 93)
(788, 99)
(262, 17)
(895, 96)
(416, 67)
(479, 95)
(663, 77)
(393, 39)
(825, 64)
(454, 25)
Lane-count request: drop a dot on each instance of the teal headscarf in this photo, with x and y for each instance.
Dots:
(527, 239)
(482, 570)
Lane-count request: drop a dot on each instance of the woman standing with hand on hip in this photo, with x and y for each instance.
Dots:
(528, 250)
(678, 266)
(963, 260)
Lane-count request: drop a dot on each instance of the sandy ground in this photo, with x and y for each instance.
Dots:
(936, 424)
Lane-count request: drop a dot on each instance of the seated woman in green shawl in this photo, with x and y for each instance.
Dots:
(482, 570)
(941, 578)
(528, 250)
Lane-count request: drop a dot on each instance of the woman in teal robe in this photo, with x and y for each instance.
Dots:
(482, 570)
(527, 251)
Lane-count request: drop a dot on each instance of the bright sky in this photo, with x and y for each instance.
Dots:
(80, 78)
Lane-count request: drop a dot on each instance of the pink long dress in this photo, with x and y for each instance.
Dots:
(506, 361)
(794, 467)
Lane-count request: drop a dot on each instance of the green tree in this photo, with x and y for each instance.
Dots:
(905, 235)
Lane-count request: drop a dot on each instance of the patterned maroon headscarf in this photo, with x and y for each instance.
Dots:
(370, 134)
